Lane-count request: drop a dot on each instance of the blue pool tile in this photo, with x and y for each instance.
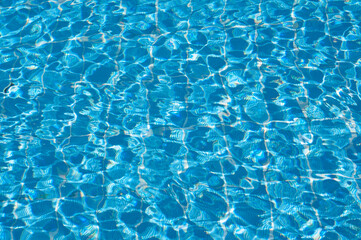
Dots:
(234, 119)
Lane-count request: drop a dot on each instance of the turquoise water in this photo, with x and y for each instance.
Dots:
(215, 119)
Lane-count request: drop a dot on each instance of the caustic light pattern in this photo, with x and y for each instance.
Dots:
(208, 119)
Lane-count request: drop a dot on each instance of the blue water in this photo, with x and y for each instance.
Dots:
(208, 119)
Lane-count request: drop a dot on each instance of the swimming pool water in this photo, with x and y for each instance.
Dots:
(181, 119)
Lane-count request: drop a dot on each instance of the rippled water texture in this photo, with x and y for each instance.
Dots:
(208, 119)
